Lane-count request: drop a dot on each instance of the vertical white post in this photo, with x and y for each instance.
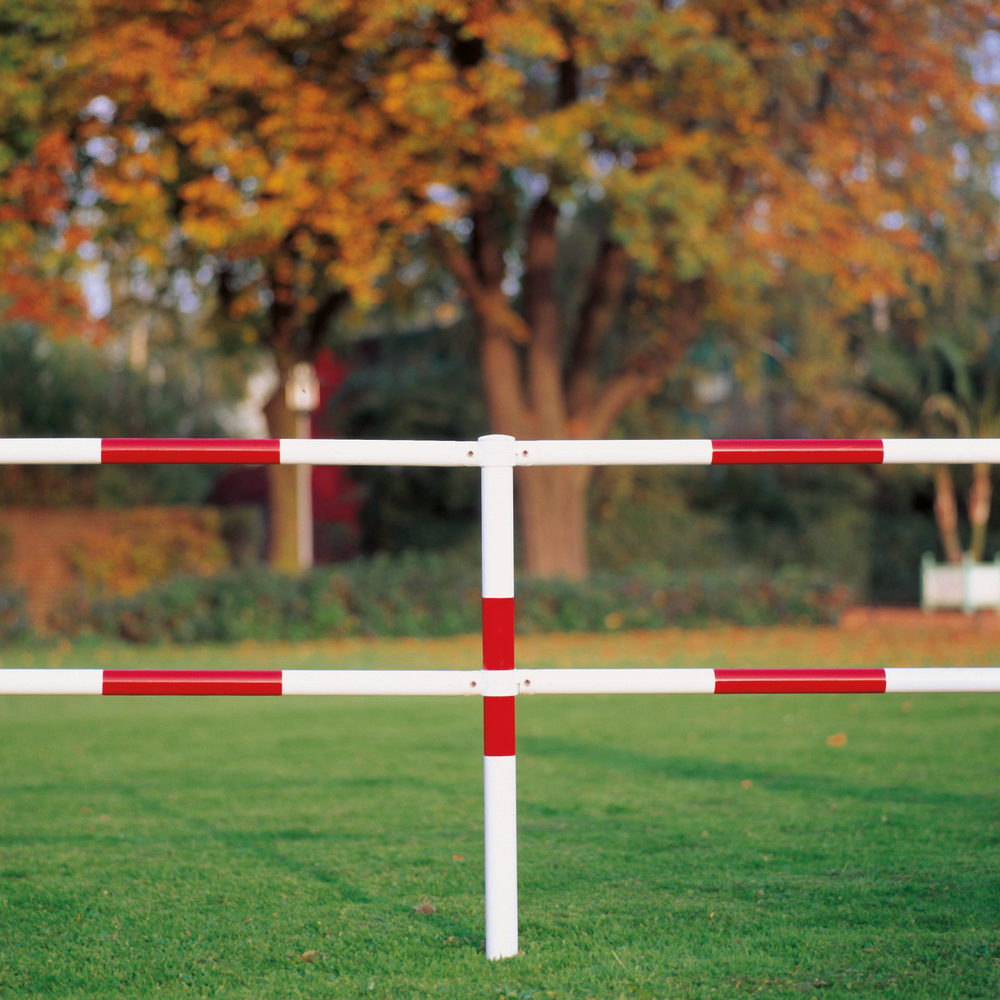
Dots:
(499, 762)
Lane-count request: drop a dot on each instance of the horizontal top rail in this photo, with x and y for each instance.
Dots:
(343, 451)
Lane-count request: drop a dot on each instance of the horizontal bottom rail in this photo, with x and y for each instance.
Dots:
(499, 683)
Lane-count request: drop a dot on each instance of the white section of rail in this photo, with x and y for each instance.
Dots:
(343, 451)
(50, 451)
(43, 681)
(913, 680)
(624, 680)
(658, 452)
(947, 451)
(381, 682)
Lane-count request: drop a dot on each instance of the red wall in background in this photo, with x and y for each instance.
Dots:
(336, 498)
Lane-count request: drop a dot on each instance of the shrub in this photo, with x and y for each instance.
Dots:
(432, 595)
(14, 621)
(146, 547)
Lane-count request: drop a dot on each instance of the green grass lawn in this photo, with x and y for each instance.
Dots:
(675, 847)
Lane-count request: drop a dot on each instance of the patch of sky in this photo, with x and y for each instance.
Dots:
(960, 155)
(533, 184)
(102, 149)
(96, 290)
(102, 108)
(185, 293)
(983, 107)
(985, 59)
(601, 163)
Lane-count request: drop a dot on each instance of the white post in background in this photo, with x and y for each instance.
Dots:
(303, 498)
(302, 397)
(500, 689)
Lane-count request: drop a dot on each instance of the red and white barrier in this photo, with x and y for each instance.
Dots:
(337, 451)
(501, 691)
(498, 682)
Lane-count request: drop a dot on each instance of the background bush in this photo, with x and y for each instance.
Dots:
(14, 622)
(430, 595)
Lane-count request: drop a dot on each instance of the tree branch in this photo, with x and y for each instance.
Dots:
(608, 283)
(500, 329)
(617, 396)
(321, 318)
(283, 333)
(648, 370)
(486, 245)
(545, 384)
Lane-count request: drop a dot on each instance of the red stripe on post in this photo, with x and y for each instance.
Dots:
(858, 680)
(498, 633)
(189, 451)
(866, 452)
(242, 682)
(498, 727)
(498, 654)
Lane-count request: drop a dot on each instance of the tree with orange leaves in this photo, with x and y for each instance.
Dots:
(715, 144)
(246, 126)
(727, 143)
(37, 235)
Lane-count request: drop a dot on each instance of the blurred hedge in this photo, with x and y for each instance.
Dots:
(146, 546)
(14, 621)
(433, 595)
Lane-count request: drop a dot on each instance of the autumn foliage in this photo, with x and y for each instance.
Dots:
(38, 158)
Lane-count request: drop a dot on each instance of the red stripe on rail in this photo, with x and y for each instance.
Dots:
(498, 726)
(805, 452)
(853, 680)
(189, 451)
(241, 682)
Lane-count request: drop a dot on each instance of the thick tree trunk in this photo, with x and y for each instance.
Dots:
(552, 505)
(540, 384)
(284, 485)
(980, 495)
(946, 513)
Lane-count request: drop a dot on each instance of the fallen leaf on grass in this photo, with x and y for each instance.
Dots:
(458, 857)
(746, 783)
(425, 908)
(836, 740)
(309, 956)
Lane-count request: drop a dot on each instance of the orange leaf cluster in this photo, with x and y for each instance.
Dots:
(148, 546)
